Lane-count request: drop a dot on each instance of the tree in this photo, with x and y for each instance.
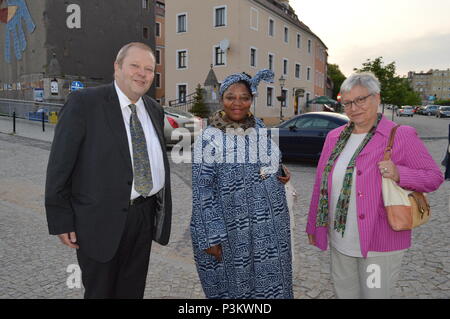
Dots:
(442, 102)
(394, 89)
(337, 77)
(199, 108)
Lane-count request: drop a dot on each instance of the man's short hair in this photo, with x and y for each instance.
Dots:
(124, 50)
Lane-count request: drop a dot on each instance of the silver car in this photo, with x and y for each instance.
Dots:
(430, 110)
(179, 124)
(443, 111)
(405, 111)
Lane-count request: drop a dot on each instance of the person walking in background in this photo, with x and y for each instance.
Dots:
(347, 209)
(240, 220)
(108, 182)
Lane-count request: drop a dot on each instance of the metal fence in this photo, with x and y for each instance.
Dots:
(27, 109)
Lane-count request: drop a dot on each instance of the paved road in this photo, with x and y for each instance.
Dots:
(33, 264)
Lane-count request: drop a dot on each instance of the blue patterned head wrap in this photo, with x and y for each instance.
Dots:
(262, 75)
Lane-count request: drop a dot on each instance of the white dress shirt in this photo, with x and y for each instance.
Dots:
(153, 146)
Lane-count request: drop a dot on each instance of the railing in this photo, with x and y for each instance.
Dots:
(26, 109)
(183, 104)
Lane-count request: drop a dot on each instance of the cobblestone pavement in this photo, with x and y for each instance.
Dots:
(33, 264)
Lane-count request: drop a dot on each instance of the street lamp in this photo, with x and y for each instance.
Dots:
(281, 98)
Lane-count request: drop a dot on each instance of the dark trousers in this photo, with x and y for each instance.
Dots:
(124, 276)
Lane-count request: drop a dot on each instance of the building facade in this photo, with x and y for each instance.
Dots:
(160, 31)
(67, 41)
(243, 36)
(432, 85)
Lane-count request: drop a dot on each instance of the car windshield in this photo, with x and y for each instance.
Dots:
(174, 111)
(407, 107)
(445, 108)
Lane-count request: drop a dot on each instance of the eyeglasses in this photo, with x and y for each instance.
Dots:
(359, 101)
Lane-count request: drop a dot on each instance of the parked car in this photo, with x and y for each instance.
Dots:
(303, 136)
(430, 110)
(420, 110)
(443, 111)
(174, 119)
(405, 111)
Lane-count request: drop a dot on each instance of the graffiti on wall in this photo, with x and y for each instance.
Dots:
(12, 12)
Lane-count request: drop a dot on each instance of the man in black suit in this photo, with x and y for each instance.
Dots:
(108, 180)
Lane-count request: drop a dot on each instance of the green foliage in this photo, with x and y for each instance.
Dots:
(394, 89)
(337, 77)
(442, 102)
(199, 108)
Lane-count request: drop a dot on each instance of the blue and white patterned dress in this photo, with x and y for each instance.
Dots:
(246, 214)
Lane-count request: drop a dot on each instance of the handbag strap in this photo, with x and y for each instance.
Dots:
(388, 149)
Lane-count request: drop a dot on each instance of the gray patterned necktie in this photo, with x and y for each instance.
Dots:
(142, 172)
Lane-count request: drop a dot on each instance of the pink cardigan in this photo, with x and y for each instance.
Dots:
(418, 171)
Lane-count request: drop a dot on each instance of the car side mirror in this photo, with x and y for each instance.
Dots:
(292, 128)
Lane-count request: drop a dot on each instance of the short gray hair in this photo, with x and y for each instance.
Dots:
(124, 50)
(364, 79)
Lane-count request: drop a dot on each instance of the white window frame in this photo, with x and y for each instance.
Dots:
(270, 54)
(272, 99)
(256, 57)
(178, 90)
(300, 71)
(299, 43)
(226, 16)
(187, 59)
(308, 74)
(257, 19)
(284, 34)
(160, 78)
(214, 57)
(268, 28)
(285, 70)
(186, 21)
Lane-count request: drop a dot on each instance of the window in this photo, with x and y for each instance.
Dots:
(286, 35)
(220, 16)
(299, 41)
(308, 74)
(145, 33)
(254, 17)
(158, 80)
(253, 59)
(145, 4)
(271, 56)
(269, 96)
(284, 94)
(182, 59)
(271, 27)
(307, 96)
(309, 46)
(219, 56)
(298, 71)
(285, 66)
(158, 29)
(160, 5)
(181, 22)
(181, 93)
(158, 56)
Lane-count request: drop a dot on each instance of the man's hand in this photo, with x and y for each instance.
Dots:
(69, 239)
(215, 251)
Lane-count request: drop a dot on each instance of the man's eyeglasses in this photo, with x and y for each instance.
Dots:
(359, 101)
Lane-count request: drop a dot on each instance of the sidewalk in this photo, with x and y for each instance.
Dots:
(27, 128)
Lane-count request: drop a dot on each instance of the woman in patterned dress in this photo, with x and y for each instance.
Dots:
(240, 221)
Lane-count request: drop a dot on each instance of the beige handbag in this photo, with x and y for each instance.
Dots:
(405, 209)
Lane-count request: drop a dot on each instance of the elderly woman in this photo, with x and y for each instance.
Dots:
(240, 221)
(347, 207)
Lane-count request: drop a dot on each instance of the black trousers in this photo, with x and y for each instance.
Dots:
(124, 276)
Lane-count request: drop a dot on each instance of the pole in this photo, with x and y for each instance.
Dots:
(43, 121)
(14, 122)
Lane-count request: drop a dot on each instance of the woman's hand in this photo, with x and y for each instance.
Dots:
(215, 251)
(285, 179)
(312, 239)
(389, 170)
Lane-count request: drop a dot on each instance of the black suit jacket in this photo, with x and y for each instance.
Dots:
(89, 174)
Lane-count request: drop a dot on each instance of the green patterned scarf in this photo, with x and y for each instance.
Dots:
(221, 121)
(344, 198)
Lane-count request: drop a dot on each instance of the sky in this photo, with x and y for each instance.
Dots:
(415, 34)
